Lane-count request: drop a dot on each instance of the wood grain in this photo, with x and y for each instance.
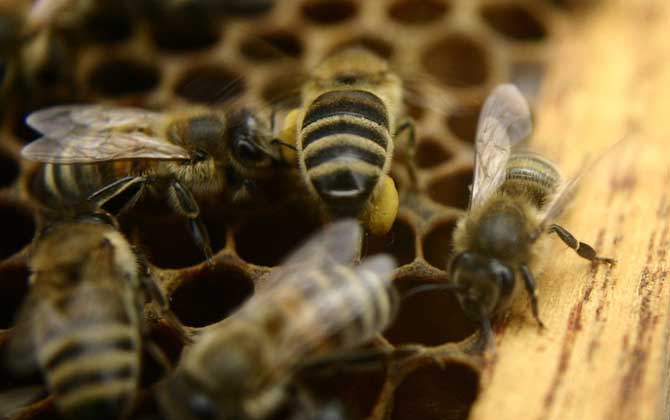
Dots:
(605, 352)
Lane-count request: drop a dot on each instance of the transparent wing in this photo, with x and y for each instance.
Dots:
(352, 295)
(326, 308)
(568, 190)
(504, 121)
(320, 288)
(91, 133)
(58, 121)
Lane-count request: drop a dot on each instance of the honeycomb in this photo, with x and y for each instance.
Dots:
(134, 53)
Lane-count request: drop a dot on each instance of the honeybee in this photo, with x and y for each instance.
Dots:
(352, 112)
(514, 199)
(97, 156)
(81, 324)
(315, 304)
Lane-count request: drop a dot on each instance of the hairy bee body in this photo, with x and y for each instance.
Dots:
(60, 186)
(515, 197)
(240, 369)
(345, 138)
(531, 176)
(86, 321)
(105, 157)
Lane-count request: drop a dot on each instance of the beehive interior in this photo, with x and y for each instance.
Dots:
(136, 53)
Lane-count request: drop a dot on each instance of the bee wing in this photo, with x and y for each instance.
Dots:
(504, 121)
(58, 121)
(336, 244)
(314, 274)
(568, 190)
(86, 133)
(326, 304)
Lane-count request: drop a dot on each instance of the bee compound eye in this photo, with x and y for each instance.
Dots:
(248, 152)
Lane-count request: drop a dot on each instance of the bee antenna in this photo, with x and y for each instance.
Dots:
(430, 288)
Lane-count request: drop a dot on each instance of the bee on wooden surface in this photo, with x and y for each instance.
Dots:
(351, 115)
(514, 199)
(98, 155)
(312, 306)
(81, 324)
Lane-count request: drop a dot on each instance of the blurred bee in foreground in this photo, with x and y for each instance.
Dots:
(314, 305)
(351, 115)
(514, 199)
(81, 323)
(104, 156)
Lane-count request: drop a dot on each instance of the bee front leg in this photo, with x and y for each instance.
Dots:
(531, 289)
(120, 195)
(183, 202)
(583, 250)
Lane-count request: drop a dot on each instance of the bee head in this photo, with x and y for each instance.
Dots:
(216, 378)
(246, 132)
(203, 135)
(481, 283)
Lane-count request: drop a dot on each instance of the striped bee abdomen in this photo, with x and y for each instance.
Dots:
(65, 186)
(345, 146)
(92, 362)
(533, 176)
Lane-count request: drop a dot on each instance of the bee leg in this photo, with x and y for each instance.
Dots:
(158, 355)
(485, 339)
(583, 250)
(381, 211)
(358, 360)
(531, 289)
(409, 126)
(154, 292)
(184, 203)
(120, 195)
(288, 137)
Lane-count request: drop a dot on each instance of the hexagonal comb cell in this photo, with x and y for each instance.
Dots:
(210, 295)
(398, 242)
(452, 189)
(267, 240)
(13, 289)
(283, 90)
(431, 152)
(209, 85)
(109, 22)
(17, 229)
(183, 26)
(462, 123)
(271, 46)
(9, 170)
(123, 76)
(166, 240)
(415, 12)
(514, 21)
(457, 60)
(329, 12)
(430, 318)
(437, 244)
(435, 393)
